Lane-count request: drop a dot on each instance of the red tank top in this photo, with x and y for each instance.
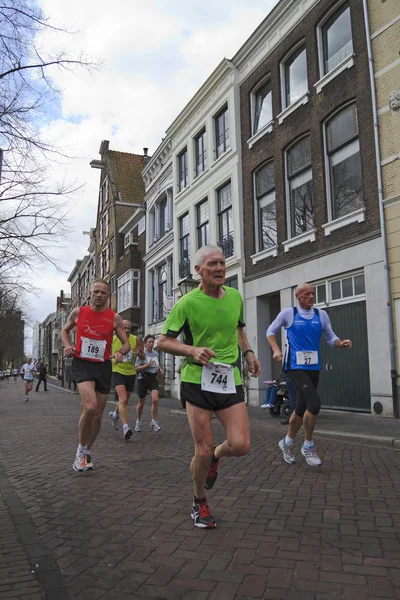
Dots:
(94, 334)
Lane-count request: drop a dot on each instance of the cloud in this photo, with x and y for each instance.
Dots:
(154, 56)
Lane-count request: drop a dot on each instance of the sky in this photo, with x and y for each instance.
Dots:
(154, 56)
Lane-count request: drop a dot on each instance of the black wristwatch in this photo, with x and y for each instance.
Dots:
(247, 351)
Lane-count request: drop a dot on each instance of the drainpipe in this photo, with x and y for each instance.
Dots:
(116, 258)
(393, 370)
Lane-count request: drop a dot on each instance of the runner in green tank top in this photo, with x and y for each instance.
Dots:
(211, 319)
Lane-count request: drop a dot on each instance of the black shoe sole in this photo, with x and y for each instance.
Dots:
(128, 435)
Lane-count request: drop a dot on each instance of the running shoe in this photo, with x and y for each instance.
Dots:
(82, 462)
(287, 451)
(26, 398)
(138, 427)
(212, 474)
(202, 516)
(128, 433)
(155, 426)
(268, 405)
(114, 420)
(311, 456)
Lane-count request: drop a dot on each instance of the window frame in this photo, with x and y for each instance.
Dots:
(290, 178)
(220, 219)
(226, 137)
(295, 52)
(200, 158)
(183, 169)
(330, 18)
(129, 277)
(203, 225)
(329, 154)
(257, 209)
(265, 82)
(184, 240)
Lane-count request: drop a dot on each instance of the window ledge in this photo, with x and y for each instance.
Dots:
(345, 64)
(358, 216)
(221, 156)
(255, 258)
(257, 136)
(288, 111)
(182, 191)
(307, 236)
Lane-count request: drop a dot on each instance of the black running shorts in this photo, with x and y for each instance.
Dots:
(99, 372)
(193, 394)
(128, 381)
(147, 382)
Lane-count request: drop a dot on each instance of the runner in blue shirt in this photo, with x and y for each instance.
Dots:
(304, 327)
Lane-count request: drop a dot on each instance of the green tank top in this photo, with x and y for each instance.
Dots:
(128, 366)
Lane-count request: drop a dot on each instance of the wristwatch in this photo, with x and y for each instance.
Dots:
(247, 351)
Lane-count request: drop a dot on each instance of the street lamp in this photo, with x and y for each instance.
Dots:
(187, 285)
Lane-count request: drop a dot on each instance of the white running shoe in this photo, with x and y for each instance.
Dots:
(267, 405)
(155, 426)
(82, 462)
(287, 451)
(311, 456)
(114, 420)
(26, 398)
(138, 427)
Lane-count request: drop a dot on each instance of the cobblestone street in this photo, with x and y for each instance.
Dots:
(124, 530)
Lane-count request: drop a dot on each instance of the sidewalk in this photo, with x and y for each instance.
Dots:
(124, 530)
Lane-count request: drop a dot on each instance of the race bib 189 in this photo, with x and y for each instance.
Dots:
(93, 349)
(306, 358)
(219, 378)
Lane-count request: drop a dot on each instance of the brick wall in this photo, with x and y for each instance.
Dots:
(352, 84)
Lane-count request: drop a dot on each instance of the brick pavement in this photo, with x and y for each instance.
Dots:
(124, 531)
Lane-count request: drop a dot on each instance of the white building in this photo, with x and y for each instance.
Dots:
(36, 340)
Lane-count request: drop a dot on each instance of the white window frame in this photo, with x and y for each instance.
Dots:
(182, 184)
(268, 127)
(268, 198)
(223, 109)
(342, 300)
(126, 299)
(294, 50)
(200, 134)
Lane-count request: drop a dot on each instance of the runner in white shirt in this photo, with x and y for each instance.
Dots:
(28, 369)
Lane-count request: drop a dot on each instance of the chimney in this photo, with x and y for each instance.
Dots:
(145, 158)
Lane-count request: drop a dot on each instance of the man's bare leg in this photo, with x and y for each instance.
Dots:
(200, 427)
(122, 406)
(154, 405)
(101, 403)
(237, 428)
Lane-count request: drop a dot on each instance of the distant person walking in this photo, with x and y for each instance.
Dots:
(42, 377)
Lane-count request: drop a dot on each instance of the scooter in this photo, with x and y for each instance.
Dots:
(281, 405)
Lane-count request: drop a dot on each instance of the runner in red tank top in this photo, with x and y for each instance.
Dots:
(91, 364)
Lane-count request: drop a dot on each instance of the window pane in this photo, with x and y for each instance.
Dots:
(232, 282)
(335, 290)
(224, 197)
(321, 293)
(359, 285)
(338, 44)
(299, 156)
(346, 185)
(347, 287)
(302, 206)
(222, 132)
(296, 77)
(200, 150)
(267, 217)
(265, 180)
(184, 225)
(342, 128)
(202, 213)
(263, 108)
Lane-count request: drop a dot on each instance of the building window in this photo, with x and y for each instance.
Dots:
(200, 152)
(203, 224)
(221, 132)
(300, 187)
(295, 76)
(103, 194)
(111, 248)
(129, 290)
(344, 162)
(262, 111)
(232, 282)
(266, 207)
(104, 228)
(225, 219)
(182, 170)
(184, 250)
(163, 216)
(347, 287)
(104, 263)
(337, 42)
(112, 285)
(162, 292)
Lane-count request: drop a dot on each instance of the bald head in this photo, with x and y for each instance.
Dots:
(305, 295)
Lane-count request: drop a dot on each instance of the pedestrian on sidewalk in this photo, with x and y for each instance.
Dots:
(28, 373)
(91, 363)
(211, 317)
(123, 379)
(147, 368)
(304, 327)
(42, 377)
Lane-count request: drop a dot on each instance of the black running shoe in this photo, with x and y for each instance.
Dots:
(212, 474)
(202, 516)
(128, 434)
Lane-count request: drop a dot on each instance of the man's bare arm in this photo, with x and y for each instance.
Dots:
(169, 344)
(277, 352)
(253, 363)
(69, 350)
